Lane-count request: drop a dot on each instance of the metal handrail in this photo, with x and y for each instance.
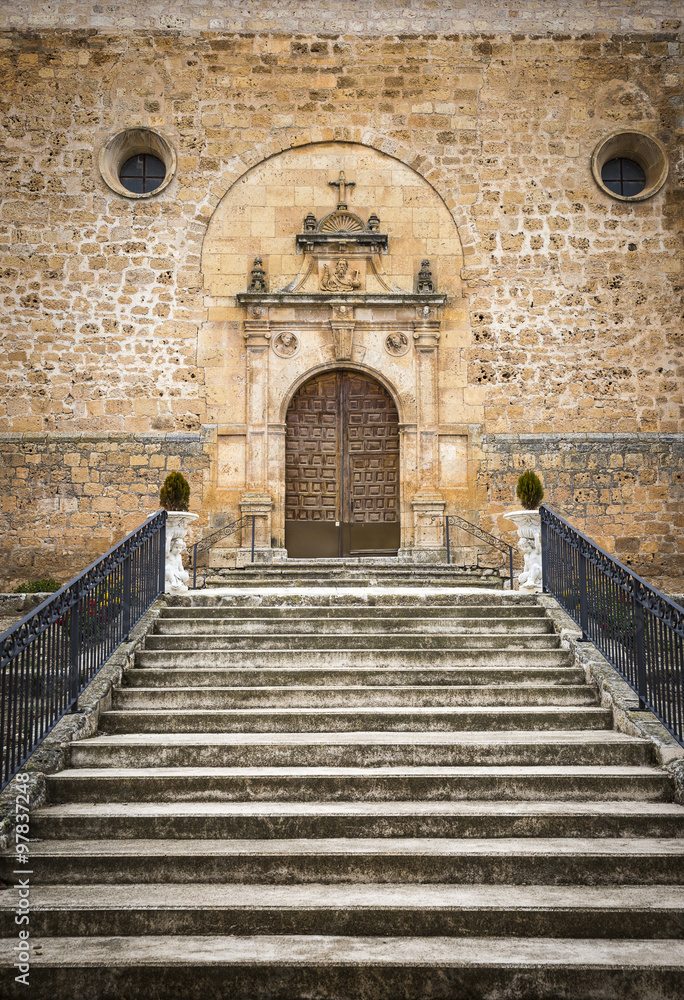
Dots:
(484, 536)
(48, 658)
(210, 540)
(638, 629)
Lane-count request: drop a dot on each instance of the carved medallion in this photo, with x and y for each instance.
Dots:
(396, 344)
(285, 344)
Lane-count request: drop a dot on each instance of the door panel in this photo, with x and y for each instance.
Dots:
(342, 468)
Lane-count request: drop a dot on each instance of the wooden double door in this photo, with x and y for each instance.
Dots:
(342, 468)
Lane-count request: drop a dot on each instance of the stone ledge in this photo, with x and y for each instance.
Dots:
(616, 694)
(98, 436)
(53, 753)
(598, 437)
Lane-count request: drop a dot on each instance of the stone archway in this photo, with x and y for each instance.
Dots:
(342, 477)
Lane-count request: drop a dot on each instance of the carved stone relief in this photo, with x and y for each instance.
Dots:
(338, 278)
(285, 344)
(396, 344)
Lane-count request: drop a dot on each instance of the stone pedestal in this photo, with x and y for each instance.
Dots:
(428, 528)
(528, 523)
(176, 577)
(259, 505)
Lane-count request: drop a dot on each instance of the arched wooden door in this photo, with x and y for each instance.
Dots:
(342, 468)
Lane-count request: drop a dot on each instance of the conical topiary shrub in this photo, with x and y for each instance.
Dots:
(175, 493)
(530, 490)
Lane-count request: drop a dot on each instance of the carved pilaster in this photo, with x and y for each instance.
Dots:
(257, 339)
(426, 332)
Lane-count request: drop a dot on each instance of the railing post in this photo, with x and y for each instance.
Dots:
(74, 649)
(448, 546)
(161, 585)
(584, 608)
(510, 564)
(640, 650)
(194, 566)
(126, 596)
(544, 554)
(253, 520)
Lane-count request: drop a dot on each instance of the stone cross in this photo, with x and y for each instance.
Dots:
(342, 185)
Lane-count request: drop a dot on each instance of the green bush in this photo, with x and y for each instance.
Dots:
(530, 491)
(48, 586)
(175, 493)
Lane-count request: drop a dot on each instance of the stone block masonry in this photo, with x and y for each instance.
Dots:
(66, 499)
(626, 491)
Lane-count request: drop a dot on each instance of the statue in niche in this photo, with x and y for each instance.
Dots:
(396, 344)
(286, 344)
(339, 280)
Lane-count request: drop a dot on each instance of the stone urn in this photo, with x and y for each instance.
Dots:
(528, 523)
(177, 524)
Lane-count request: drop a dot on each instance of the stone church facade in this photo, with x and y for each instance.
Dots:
(380, 273)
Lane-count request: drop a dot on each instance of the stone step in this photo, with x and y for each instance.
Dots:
(627, 911)
(344, 719)
(602, 747)
(267, 642)
(296, 584)
(265, 577)
(263, 967)
(323, 626)
(413, 659)
(346, 696)
(331, 596)
(527, 861)
(390, 782)
(209, 677)
(454, 575)
(358, 610)
(263, 820)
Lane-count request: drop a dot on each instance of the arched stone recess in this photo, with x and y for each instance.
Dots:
(257, 350)
(446, 184)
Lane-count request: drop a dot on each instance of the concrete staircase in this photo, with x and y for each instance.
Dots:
(387, 797)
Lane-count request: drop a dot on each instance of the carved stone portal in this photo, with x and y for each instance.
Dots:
(341, 309)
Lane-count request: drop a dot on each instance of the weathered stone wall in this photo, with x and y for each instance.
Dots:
(625, 491)
(350, 17)
(66, 498)
(570, 303)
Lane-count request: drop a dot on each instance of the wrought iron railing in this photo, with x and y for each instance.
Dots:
(228, 529)
(639, 630)
(48, 658)
(484, 536)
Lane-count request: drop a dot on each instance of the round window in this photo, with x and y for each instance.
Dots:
(137, 163)
(142, 174)
(629, 166)
(623, 176)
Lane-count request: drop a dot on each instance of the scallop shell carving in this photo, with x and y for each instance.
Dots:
(342, 222)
